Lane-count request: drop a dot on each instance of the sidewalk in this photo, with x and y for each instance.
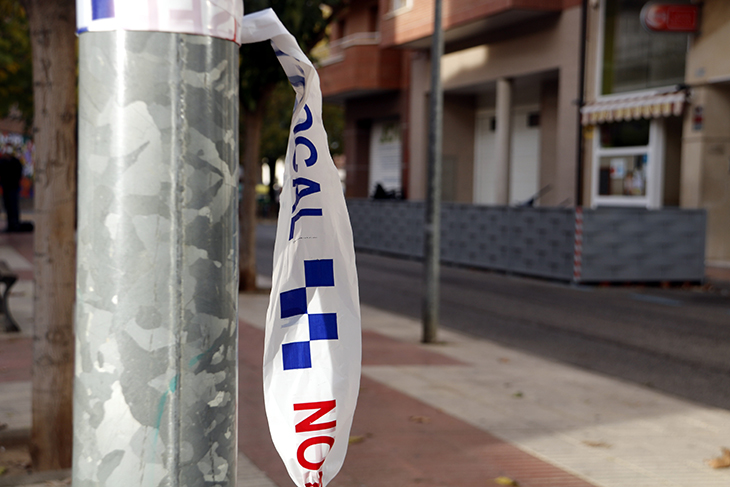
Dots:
(15, 373)
(718, 275)
(460, 413)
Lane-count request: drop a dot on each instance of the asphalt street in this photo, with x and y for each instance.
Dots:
(675, 340)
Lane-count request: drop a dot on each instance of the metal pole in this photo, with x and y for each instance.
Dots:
(155, 394)
(581, 101)
(433, 200)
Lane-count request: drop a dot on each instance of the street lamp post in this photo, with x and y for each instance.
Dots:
(432, 231)
(155, 392)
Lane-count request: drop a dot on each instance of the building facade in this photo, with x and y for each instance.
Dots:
(510, 76)
(657, 117)
(653, 130)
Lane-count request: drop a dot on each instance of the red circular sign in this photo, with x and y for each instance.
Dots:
(659, 17)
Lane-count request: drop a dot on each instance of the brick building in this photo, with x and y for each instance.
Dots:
(657, 118)
(511, 81)
(655, 122)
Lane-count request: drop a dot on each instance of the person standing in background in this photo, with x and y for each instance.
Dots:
(11, 170)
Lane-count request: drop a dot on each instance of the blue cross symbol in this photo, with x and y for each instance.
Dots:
(322, 326)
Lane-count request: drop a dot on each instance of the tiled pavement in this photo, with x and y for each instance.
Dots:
(400, 441)
(460, 413)
(514, 409)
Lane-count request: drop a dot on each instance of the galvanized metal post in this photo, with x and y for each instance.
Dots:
(432, 237)
(155, 394)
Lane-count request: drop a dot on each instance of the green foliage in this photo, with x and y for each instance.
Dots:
(263, 80)
(277, 117)
(275, 129)
(16, 66)
(260, 71)
(333, 117)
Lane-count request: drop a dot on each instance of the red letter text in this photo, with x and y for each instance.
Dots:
(322, 408)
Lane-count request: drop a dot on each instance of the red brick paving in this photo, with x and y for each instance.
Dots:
(378, 349)
(15, 358)
(405, 442)
(253, 430)
(23, 244)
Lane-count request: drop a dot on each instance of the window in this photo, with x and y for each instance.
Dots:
(385, 156)
(628, 164)
(628, 157)
(401, 4)
(635, 59)
(622, 175)
(627, 134)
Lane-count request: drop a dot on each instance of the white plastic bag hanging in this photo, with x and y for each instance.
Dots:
(312, 353)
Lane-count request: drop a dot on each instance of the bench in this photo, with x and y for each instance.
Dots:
(7, 277)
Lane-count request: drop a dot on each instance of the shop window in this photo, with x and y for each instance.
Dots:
(635, 59)
(628, 164)
(622, 175)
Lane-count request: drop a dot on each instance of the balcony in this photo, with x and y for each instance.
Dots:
(464, 19)
(355, 65)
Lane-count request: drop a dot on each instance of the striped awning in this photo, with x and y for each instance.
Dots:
(634, 108)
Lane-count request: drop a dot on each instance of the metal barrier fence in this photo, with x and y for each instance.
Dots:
(570, 244)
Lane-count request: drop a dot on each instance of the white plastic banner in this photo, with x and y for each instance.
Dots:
(312, 354)
(215, 18)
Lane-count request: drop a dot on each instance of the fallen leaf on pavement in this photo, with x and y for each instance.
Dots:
(506, 481)
(721, 461)
(518, 395)
(3, 470)
(356, 439)
(503, 360)
(420, 419)
(596, 444)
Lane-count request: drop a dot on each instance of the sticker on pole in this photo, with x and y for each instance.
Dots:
(214, 18)
(312, 353)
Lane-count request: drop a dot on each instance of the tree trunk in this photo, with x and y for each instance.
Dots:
(252, 122)
(53, 40)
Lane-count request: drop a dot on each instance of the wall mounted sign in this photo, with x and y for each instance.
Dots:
(660, 17)
(698, 118)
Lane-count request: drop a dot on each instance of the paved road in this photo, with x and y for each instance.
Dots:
(674, 340)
